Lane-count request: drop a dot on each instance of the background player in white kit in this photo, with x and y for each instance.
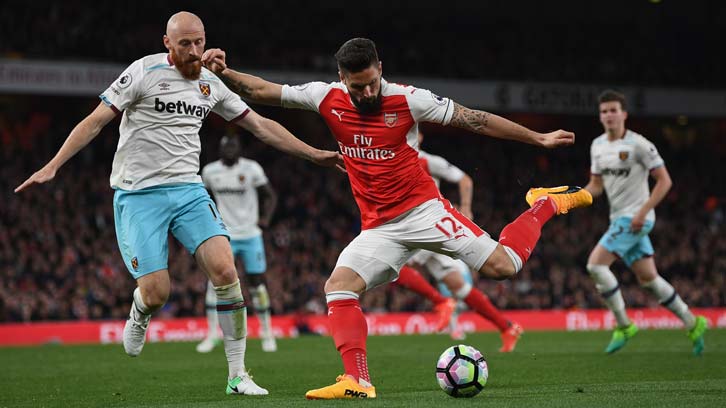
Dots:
(164, 99)
(246, 202)
(454, 274)
(621, 161)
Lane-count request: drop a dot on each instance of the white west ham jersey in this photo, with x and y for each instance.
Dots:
(162, 114)
(235, 191)
(439, 168)
(625, 165)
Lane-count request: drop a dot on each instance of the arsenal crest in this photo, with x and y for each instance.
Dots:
(623, 155)
(390, 119)
(205, 88)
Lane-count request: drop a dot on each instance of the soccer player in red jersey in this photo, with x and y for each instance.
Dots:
(376, 125)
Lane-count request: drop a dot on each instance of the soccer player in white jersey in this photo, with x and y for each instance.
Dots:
(621, 161)
(376, 126)
(246, 202)
(164, 99)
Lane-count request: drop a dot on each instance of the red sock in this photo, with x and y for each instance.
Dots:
(481, 304)
(412, 280)
(522, 234)
(349, 330)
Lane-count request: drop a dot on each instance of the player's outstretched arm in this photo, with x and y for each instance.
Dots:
(486, 123)
(80, 136)
(250, 87)
(268, 203)
(275, 135)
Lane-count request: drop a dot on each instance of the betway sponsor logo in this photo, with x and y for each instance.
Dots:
(180, 107)
(616, 172)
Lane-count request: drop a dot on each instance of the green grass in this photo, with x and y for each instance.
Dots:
(549, 369)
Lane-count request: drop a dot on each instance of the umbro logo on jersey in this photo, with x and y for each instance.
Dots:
(164, 86)
(338, 114)
(180, 107)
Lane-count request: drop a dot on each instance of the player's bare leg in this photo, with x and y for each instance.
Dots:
(666, 294)
(214, 256)
(150, 295)
(349, 330)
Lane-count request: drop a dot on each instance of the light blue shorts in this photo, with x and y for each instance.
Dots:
(145, 217)
(252, 252)
(629, 246)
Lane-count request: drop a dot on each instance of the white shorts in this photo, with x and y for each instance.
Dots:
(434, 264)
(377, 254)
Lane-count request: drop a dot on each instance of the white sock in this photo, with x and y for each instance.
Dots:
(210, 302)
(232, 315)
(609, 289)
(516, 260)
(463, 291)
(667, 296)
(139, 310)
(261, 302)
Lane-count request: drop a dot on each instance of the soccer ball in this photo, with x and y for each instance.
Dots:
(462, 371)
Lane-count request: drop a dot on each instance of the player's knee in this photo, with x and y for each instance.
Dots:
(224, 276)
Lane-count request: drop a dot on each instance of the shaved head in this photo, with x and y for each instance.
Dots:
(185, 41)
(182, 23)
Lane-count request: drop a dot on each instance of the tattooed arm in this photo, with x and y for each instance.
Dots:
(250, 87)
(486, 123)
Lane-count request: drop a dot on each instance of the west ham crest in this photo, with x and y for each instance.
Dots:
(623, 155)
(390, 119)
(241, 178)
(205, 88)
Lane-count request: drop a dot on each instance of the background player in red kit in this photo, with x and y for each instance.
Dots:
(376, 126)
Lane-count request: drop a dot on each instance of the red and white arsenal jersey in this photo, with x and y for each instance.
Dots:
(380, 150)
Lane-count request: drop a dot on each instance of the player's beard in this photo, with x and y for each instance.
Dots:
(368, 107)
(191, 68)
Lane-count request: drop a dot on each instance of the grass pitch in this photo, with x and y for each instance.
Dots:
(548, 369)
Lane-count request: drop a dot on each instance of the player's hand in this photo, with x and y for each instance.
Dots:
(637, 223)
(327, 158)
(558, 138)
(215, 60)
(263, 223)
(41, 176)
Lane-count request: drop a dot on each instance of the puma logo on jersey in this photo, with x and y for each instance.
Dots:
(180, 107)
(338, 114)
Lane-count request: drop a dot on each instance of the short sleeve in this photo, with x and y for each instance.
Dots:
(229, 105)
(647, 154)
(259, 178)
(442, 169)
(305, 96)
(594, 165)
(426, 106)
(126, 89)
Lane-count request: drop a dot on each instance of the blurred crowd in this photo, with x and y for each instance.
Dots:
(628, 42)
(59, 259)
